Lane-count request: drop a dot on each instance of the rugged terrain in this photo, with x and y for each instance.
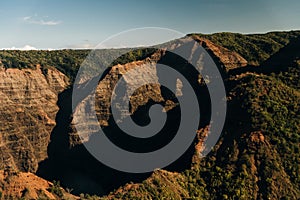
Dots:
(257, 156)
(28, 111)
(26, 185)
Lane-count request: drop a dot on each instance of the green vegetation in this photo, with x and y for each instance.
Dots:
(259, 162)
(291, 77)
(134, 55)
(88, 197)
(68, 61)
(275, 110)
(255, 48)
(56, 189)
(257, 156)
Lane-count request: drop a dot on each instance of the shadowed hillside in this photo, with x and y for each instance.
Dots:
(256, 157)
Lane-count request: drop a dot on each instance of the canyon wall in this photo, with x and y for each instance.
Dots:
(29, 102)
(28, 109)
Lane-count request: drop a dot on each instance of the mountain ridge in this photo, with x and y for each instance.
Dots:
(254, 157)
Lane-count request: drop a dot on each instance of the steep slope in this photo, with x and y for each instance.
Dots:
(25, 185)
(286, 55)
(28, 109)
(223, 56)
(255, 48)
(258, 154)
(256, 158)
(68, 150)
(286, 61)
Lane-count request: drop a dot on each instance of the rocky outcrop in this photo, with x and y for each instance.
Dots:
(27, 115)
(199, 145)
(25, 185)
(140, 97)
(28, 110)
(226, 58)
(149, 92)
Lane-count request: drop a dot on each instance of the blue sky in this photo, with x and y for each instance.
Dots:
(78, 24)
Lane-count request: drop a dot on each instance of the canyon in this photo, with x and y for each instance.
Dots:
(38, 132)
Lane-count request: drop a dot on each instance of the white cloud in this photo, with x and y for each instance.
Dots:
(26, 18)
(81, 46)
(29, 47)
(35, 20)
(25, 48)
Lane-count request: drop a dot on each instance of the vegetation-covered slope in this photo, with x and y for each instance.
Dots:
(255, 48)
(257, 156)
(67, 61)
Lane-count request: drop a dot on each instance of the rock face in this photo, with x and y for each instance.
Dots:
(28, 103)
(139, 97)
(28, 108)
(25, 185)
(228, 59)
(149, 92)
(29, 97)
(106, 86)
